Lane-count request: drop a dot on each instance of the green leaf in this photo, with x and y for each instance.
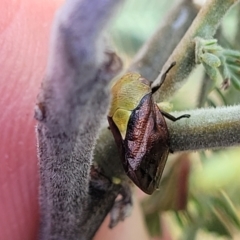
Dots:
(211, 60)
(229, 53)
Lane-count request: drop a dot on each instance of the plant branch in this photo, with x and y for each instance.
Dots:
(73, 93)
(204, 26)
(206, 129)
(155, 52)
(206, 87)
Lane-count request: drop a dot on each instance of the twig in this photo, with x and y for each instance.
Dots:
(204, 26)
(206, 129)
(149, 60)
(206, 87)
(70, 107)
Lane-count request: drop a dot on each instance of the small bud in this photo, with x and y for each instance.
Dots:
(211, 60)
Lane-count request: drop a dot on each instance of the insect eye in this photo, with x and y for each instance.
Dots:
(144, 81)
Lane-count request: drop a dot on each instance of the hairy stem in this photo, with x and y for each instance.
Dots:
(206, 129)
(204, 26)
(73, 93)
(206, 87)
(155, 52)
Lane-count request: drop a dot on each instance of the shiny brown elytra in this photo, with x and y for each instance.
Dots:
(140, 130)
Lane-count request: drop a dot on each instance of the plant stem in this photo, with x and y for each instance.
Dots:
(73, 93)
(204, 26)
(206, 87)
(155, 52)
(206, 129)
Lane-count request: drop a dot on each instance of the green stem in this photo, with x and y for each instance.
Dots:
(204, 26)
(155, 52)
(206, 128)
(206, 87)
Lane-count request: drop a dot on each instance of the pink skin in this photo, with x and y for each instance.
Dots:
(24, 36)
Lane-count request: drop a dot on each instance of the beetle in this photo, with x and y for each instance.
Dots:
(140, 130)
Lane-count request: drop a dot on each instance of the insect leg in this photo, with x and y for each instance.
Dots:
(172, 118)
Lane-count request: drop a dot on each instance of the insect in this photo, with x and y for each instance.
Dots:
(140, 130)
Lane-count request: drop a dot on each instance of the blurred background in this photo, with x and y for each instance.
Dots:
(199, 196)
